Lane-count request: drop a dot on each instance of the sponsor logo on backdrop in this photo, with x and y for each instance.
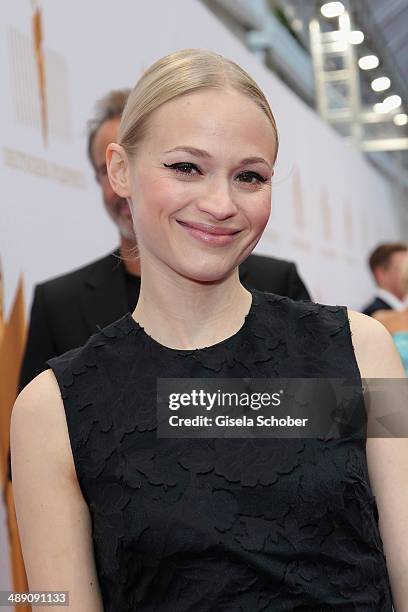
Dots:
(365, 230)
(298, 210)
(38, 166)
(348, 223)
(40, 99)
(326, 224)
(40, 62)
(325, 213)
(348, 232)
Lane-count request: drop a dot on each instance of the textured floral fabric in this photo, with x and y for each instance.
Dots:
(222, 525)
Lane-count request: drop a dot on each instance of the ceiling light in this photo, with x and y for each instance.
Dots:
(332, 9)
(367, 62)
(380, 84)
(380, 109)
(297, 25)
(401, 119)
(356, 37)
(392, 102)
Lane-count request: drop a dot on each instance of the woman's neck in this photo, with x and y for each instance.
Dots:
(130, 255)
(183, 314)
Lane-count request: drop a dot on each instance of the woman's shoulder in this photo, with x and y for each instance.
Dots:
(38, 427)
(37, 398)
(300, 309)
(42, 389)
(374, 348)
(290, 303)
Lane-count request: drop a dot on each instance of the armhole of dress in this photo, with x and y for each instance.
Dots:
(77, 471)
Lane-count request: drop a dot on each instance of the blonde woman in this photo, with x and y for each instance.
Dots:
(125, 520)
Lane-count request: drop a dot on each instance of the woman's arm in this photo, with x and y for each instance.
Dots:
(53, 518)
(387, 457)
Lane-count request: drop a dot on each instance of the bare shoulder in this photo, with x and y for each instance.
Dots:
(38, 424)
(53, 518)
(374, 348)
(40, 392)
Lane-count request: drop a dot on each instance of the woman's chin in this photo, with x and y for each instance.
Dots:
(208, 275)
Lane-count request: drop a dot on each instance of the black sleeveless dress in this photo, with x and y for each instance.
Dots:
(231, 525)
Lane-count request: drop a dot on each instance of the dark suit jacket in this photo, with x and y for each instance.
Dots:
(376, 304)
(67, 310)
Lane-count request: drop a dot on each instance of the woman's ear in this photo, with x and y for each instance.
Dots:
(117, 164)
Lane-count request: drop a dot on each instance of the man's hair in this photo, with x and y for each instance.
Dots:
(381, 255)
(109, 107)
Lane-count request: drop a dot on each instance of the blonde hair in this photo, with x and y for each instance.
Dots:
(181, 73)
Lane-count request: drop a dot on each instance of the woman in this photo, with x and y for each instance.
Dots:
(126, 520)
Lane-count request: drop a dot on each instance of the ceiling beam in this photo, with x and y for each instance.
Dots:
(384, 144)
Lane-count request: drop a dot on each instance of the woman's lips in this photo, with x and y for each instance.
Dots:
(210, 234)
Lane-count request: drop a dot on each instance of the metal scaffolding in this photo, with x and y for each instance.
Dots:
(338, 95)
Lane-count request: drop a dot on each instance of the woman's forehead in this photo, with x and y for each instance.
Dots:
(225, 102)
(208, 116)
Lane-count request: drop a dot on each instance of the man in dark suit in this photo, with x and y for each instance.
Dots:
(68, 309)
(386, 262)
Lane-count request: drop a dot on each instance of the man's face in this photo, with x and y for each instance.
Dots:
(117, 207)
(391, 277)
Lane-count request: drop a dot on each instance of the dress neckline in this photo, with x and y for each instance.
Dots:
(222, 344)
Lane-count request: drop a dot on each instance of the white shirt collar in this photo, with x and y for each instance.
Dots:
(391, 299)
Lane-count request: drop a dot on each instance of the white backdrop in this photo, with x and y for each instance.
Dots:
(329, 206)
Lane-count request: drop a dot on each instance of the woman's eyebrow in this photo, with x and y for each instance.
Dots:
(192, 150)
(202, 153)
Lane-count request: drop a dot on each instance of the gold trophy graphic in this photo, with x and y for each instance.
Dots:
(40, 61)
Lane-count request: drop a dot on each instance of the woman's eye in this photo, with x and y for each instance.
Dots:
(189, 169)
(182, 167)
(252, 178)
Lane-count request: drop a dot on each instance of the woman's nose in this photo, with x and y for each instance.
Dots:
(218, 201)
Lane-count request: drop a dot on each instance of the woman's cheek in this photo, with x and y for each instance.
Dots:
(261, 212)
(172, 197)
